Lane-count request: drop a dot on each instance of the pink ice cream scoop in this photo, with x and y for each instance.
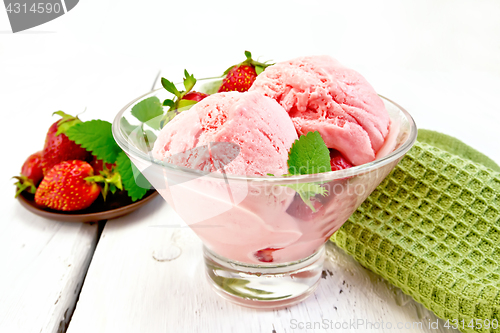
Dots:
(322, 95)
(258, 129)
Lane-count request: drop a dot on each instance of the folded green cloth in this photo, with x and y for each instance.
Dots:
(432, 228)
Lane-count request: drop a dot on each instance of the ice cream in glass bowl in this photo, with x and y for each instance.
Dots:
(265, 177)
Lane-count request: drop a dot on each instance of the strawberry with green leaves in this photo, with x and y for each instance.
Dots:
(96, 136)
(183, 100)
(240, 77)
(31, 174)
(106, 173)
(66, 187)
(58, 147)
(72, 185)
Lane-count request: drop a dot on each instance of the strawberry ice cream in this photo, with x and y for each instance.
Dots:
(250, 134)
(259, 129)
(246, 134)
(222, 166)
(322, 95)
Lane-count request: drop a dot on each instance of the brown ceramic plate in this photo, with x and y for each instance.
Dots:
(117, 205)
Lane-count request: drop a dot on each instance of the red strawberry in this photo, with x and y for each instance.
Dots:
(195, 96)
(241, 77)
(265, 255)
(99, 165)
(58, 147)
(65, 188)
(31, 173)
(337, 161)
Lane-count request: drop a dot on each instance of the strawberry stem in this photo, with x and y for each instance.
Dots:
(177, 104)
(259, 66)
(24, 183)
(66, 122)
(108, 179)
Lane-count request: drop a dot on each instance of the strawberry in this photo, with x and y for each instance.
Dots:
(31, 174)
(65, 187)
(194, 96)
(337, 161)
(240, 77)
(183, 100)
(99, 166)
(265, 255)
(58, 147)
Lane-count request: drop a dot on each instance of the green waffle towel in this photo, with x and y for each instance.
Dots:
(432, 228)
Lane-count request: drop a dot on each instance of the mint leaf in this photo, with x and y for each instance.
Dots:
(211, 87)
(155, 123)
(309, 155)
(147, 109)
(307, 191)
(96, 137)
(143, 140)
(150, 137)
(136, 187)
(126, 126)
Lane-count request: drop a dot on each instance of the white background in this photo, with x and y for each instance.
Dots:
(439, 59)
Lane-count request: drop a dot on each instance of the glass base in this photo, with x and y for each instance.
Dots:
(264, 286)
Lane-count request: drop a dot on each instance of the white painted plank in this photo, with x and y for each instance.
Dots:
(128, 290)
(43, 264)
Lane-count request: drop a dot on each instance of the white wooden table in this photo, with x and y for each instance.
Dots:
(144, 273)
(172, 295)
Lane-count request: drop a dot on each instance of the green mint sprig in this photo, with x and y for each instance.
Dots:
(142, 139)
(149, 111)
(136, 187)
(307, 191)
(96, 137)
(308, 155)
